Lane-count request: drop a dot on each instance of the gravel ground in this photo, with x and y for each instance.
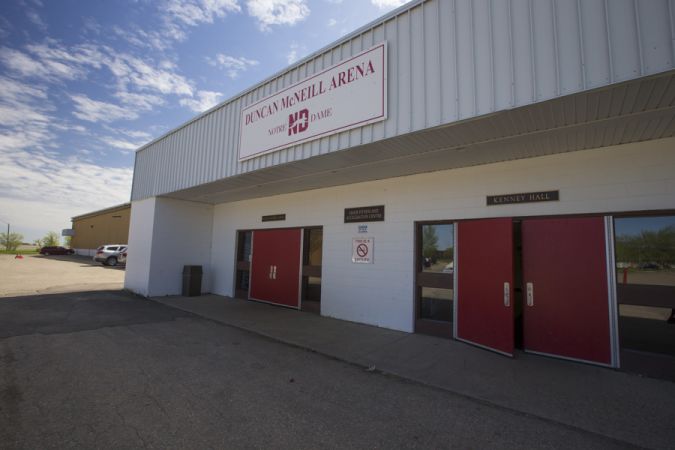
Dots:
(36, 274)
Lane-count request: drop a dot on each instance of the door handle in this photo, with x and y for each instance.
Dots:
(271, 272)
(507, 294)
(530, 294)
(274, 272)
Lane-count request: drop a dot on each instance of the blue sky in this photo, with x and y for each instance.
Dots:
(85, 83)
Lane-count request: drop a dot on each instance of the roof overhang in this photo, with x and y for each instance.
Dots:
(634, 111)
(99, 212)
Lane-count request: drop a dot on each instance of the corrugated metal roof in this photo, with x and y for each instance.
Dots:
(632, 111)
(401, 9)
(449, 61)
(101, 211)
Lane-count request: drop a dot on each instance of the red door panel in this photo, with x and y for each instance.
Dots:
(275, 267)
(568, 315)
(484, 264)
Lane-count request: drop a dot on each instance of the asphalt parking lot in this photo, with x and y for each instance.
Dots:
(35, 274)
(107, 369)
(85, 364)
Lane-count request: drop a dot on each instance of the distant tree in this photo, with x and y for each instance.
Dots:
(67, 241)
(51, 239)
(648, 246)
(429, 241)
(37, 243)
(12, 241)
(448, 253)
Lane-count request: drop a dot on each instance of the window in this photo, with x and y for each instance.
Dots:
(244, 241)
(434, 278)
(645, 275)
(312, 257)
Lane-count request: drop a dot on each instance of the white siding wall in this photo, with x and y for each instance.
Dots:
(137, 273)
(181, 236)
(448, 60)
(166, 234)
(622, 178)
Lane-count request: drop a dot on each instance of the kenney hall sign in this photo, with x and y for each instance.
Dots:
(347, 95)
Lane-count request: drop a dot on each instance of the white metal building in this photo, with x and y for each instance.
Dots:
(490, 171)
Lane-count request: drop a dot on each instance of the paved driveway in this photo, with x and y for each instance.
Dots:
(107, 369)
(34, 274)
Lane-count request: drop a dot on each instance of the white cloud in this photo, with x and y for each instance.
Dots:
(388, 4)
(126, 139)
(96, 111)
(53, 61)
(91, 25)
(24, 115)
(142, 102)
(178, 16)
(121, 143)
(196, 12)
(24, 65)
(34, 17)
(205, 100)
(332, 22)
(5, 26)
(50, 61)
(296, 52)
(233, 65)
(277, 12)
(141, 136)
(39, 193)
(129, 69)
(150, 39)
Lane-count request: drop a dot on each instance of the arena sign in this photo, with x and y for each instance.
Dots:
(347, 95)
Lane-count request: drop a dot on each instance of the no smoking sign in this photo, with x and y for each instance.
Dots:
(362, 250)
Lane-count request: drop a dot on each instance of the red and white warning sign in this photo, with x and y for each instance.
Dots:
(362, 250)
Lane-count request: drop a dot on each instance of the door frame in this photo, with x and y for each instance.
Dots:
(611, 293)
(250, 284)
(610, 265)
(612, 302)
(306, 269)
(457, 297)
(429, 326)
(638, 361)
(300, 262)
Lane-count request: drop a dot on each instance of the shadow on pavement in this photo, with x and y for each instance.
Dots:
(79, 311)
(84, 261)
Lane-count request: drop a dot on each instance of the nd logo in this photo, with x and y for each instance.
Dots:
(298, 122)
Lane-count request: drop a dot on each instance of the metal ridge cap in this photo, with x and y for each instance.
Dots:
(102, 210)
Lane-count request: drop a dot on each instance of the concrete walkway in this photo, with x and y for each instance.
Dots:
(625, 407)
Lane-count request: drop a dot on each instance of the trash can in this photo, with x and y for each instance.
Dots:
(192, 281)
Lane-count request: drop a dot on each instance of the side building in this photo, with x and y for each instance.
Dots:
(105, 226)
(500, 173)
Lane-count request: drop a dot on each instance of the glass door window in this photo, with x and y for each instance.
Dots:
(434, 278)
(645, 277)
(311, 269)
(244, 241)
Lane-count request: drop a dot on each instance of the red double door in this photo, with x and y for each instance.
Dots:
(275, 266)
(563, 293)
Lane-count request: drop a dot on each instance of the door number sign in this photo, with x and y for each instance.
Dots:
(362, 250)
